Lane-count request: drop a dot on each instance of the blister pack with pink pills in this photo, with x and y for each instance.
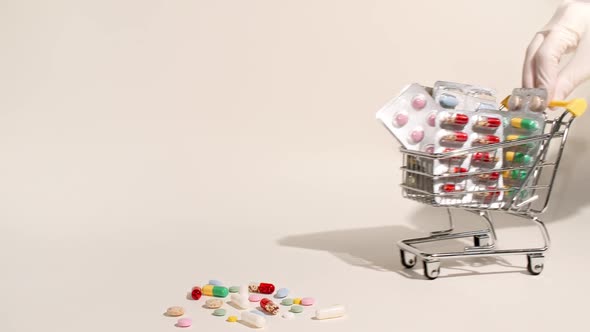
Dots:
(468, 177)
(410, 117)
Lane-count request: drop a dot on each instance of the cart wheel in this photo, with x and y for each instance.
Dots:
(408, 259)
(431, 269)
(535, 264)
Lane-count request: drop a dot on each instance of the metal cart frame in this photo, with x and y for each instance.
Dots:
(417, 184)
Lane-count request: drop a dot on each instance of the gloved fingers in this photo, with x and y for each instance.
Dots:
(573, 74)
(528, 70)
(547, 58)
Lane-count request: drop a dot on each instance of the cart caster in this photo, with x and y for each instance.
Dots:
(408, 259)
(481, 240)
(431, 269)
(535, 263)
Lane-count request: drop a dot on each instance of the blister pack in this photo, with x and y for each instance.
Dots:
(458, 96)
(410, 117)
(525, 118)
(463, 130)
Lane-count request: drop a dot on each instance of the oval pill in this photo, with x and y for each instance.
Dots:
(296, 309)
(288, 315)
(244, 290)
(536, 104)
(431, 120)
(175, 311)
(253, 319)
(400, 119)
(184, 322)
(213, 303)
(254, 297)
(281, 293)
(417, 135)
(215, 282)
(307, 301)
(219, 312)
(234, 289)
(448, 101)
(330, 312)
(287, 302)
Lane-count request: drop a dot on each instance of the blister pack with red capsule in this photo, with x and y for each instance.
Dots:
(410, 117)
(464, 177)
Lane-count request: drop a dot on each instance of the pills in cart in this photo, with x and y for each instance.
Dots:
(454, 120)
(524, 123)
(456, 137)
(175, 311)
(485, 140)
(518, 157)
(269, 306)
(418, 102)
(334, 311)
(217, 291)
(487, 122)
(253, 319)
(184, 322)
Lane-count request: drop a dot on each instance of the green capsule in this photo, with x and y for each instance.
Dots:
(516, 174)
(217, 291)
(518, 157)
(524, 123)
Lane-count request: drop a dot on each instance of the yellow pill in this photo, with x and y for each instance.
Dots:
(513, 137)
(232, 319)
(296, 300)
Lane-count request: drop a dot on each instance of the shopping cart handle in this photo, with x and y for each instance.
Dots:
(576, 106)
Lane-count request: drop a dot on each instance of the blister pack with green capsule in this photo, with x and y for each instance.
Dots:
(525, 119)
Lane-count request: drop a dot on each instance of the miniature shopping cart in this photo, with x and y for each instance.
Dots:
(527, 201)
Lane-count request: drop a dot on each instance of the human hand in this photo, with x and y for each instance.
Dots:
(567, 31)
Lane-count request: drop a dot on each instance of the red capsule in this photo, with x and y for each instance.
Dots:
(457, 158)
(459, 170)
(456, 119)
(265, 288)
(484, 157)
(196, 293)
(489, 176)
(455, 137)
(451, 187)
(486, 139)
(488, 196)
(488, 122)
(269, 306)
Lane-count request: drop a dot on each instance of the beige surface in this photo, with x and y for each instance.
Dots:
(151, 145)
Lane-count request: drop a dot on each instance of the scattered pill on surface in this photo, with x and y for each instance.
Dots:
(234, 289)
(418, 102)
(296, 300)
(217, 291)
(288, 315)
(257, 312)
(175, 311)
(254, 319)
(213, 303)
(281, 293)
(307, 301)
(196, 293)
(244, 290)
(240, 301)
(296, 309)
(269, 306)
(184, 322)
(287, 302)
(254, 297)
(330, 312)
(263, 288)
(215, 282)
(219, 312)
(232, 319)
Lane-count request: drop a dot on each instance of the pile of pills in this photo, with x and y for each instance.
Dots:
(454, 117)
(245, 298)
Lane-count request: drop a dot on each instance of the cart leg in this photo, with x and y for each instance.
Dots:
(535, 263)
(485, 241)
(446, 231)
(431, 269)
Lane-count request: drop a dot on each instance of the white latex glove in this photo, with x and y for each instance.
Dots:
(567, 31)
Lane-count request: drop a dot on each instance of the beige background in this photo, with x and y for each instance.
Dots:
(147, 146)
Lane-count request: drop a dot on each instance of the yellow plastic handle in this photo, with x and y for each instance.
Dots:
(575, 106)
